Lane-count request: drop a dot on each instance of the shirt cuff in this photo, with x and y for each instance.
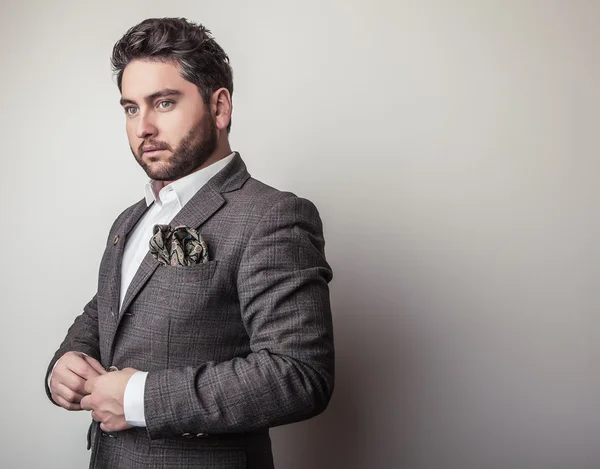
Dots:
(133, 400)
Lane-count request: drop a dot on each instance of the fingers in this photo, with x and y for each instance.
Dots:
(69, 378)
(80, 366)
(72, 381)
(63, 374)
(114, 424)
(86, 403)
(66, 393)
(89, 385)
(108, 414)
(95, 364)
(66, 403)
(101, 416)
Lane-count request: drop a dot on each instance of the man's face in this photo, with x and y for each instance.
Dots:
(171, 131)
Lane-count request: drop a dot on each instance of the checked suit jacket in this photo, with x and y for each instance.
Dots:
(233, 346)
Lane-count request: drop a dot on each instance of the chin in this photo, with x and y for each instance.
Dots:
(157, 171)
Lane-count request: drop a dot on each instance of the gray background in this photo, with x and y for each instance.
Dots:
(451, 149)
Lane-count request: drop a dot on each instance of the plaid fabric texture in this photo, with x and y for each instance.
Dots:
(233, 346)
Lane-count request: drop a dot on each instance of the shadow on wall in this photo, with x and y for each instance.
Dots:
(368, 422)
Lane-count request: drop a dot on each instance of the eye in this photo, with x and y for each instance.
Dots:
(131, 110)
(165, 104)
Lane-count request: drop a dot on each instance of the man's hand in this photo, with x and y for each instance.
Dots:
(69, 377)
(105, 399)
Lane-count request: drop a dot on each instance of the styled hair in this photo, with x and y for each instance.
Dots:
(201, 60)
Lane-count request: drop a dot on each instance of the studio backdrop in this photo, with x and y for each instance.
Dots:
(451, 147)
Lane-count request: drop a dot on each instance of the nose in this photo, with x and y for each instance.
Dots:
(145, 127)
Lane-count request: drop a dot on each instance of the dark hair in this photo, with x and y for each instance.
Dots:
(202, 61)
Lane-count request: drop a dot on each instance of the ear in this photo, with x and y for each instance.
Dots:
(221, 108)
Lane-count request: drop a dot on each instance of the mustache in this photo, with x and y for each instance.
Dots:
(158, 145)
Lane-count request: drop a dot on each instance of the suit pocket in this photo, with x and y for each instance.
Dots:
(193, 274)
(183, 292)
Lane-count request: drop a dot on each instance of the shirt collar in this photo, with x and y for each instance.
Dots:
(187, 186)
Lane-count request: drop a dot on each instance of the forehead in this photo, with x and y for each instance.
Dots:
(142, 78)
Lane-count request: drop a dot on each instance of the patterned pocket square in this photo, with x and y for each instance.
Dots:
(178, 246)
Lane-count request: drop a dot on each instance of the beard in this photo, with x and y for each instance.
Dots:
(192, 152)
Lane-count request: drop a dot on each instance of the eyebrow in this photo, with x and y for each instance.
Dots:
(159, 94)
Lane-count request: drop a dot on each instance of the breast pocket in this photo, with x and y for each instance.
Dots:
(182, 292)
(183, 275)
(195, 312)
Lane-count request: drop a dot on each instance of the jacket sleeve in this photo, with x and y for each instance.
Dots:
(82, 336)
(284, 301)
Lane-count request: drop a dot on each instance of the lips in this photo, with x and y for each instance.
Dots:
(151, 153)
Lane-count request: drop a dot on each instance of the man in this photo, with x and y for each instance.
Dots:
(212, 321)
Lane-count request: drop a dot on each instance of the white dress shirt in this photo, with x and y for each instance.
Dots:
(168, 201)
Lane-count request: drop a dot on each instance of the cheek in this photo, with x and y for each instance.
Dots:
(172, 128)
(134, 141)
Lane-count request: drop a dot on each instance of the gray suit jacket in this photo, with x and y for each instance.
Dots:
(234, 346)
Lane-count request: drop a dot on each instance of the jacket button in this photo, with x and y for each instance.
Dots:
(116, 240)
(113, 368)
(201, 435)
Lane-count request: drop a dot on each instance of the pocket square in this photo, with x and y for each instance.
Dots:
(178, 246)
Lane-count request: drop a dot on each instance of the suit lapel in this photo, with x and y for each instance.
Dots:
(120, 238)
(203, 205)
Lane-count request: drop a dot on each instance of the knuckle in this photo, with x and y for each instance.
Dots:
(65, 404)
(70, 396)
(79, 385)
(66, 395)
(69, 357)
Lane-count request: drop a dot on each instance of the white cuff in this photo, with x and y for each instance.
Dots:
(133, 400)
